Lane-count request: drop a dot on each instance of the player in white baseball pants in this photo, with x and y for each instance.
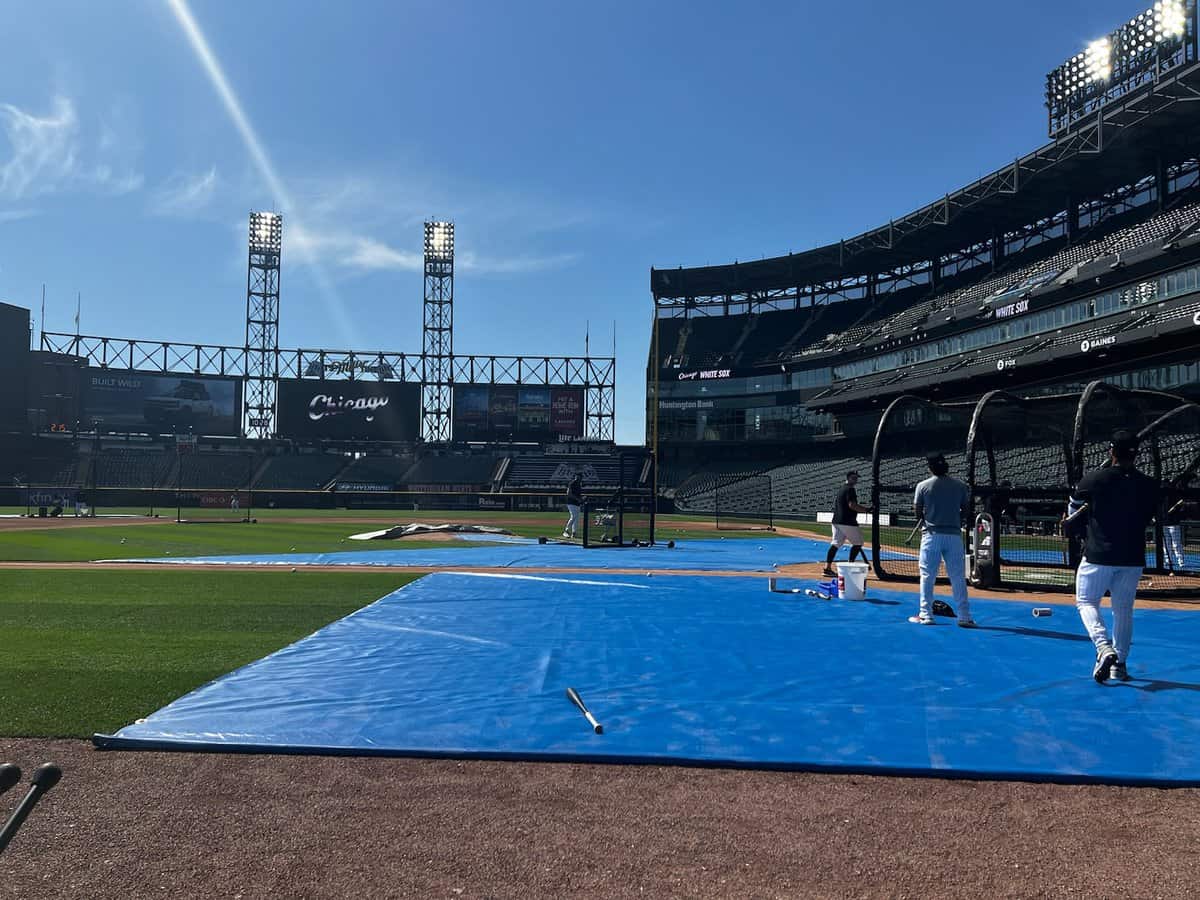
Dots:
(936, 548)
(1091, 583)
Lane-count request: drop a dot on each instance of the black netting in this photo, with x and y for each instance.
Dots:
(1171, 451)
(909, 430)
(1020, 470)
(625, 518)
(1103, 409)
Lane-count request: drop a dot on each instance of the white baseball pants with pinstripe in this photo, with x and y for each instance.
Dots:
(1091, 582)
(934, 549)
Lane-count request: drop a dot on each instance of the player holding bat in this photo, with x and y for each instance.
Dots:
(1111, 507)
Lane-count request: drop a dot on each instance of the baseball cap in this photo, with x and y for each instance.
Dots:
(935, 458)
(852, 472)
(1124, 441)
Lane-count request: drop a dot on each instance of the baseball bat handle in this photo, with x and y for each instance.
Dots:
(573, 696)
(1079, 512)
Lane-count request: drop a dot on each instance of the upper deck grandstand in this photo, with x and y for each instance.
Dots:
(1077, 261)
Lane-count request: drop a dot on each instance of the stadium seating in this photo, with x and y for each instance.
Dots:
(217, 471)
(885, 322)
(135, 468)
(453, 471)
(300, 472)
(537, 472)
(386, 471)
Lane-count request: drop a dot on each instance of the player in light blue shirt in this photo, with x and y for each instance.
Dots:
(941, 502)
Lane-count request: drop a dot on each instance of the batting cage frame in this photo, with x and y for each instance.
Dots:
(626, 517)
(1023, 457)
(1020, 470)
(230, 505)
(909, 430)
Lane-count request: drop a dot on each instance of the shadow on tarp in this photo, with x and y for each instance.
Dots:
(703, 671)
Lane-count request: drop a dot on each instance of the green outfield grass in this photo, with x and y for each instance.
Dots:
(91, 651)
(170, 539)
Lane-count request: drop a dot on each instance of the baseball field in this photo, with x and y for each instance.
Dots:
(90, 647)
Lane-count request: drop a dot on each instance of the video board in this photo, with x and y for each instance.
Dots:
(155, 403)
(349, 410)
(521, 413)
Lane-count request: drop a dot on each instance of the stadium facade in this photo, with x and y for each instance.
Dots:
(1079, 261)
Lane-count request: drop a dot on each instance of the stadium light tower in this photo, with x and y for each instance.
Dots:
(439, 331)
(1133, 58)
(262, 322)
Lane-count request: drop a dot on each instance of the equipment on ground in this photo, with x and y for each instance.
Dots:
(573, 696)
(46, 777)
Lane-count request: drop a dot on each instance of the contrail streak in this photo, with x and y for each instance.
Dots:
(258, 154)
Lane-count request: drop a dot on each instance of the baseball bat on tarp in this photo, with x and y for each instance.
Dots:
(573, 696)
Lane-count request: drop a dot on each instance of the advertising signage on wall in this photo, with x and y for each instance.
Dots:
(154, 403)
(349, 410)
(521, 413)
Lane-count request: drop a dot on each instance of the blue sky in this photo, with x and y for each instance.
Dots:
(574, 145)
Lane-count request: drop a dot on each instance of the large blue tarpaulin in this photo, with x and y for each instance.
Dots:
(712, 555)
(705, 670)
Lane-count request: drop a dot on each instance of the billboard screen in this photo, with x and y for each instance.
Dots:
(154, 403)
(349, 410)
(522, 413)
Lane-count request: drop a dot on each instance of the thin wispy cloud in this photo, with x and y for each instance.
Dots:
(44, 149)
(49, 153)
(386, 235)
(184, 195)
(358, 253)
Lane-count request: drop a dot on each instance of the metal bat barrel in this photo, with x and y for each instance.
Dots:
(44, 778)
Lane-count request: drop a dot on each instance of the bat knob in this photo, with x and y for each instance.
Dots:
(599, 729)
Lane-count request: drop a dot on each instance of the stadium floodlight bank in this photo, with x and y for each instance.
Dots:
(624, 518)
(1131, 59)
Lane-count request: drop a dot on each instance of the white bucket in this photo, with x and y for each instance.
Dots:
(852, 580)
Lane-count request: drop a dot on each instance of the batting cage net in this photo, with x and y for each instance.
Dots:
(1171, 452)
(911, 428)
(1019, 468)
(196, 501)
(1104, 408)
(744, 504)
(624, 518)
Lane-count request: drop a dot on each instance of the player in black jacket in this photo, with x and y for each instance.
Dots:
(1112, 506)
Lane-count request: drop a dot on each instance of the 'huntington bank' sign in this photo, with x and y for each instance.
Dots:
(349, 410)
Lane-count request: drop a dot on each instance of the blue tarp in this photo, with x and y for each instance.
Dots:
(712, 555)
(706, 670)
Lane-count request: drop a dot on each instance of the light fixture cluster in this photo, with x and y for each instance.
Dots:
(266, 232)
(439, 240)
(1133, 47)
